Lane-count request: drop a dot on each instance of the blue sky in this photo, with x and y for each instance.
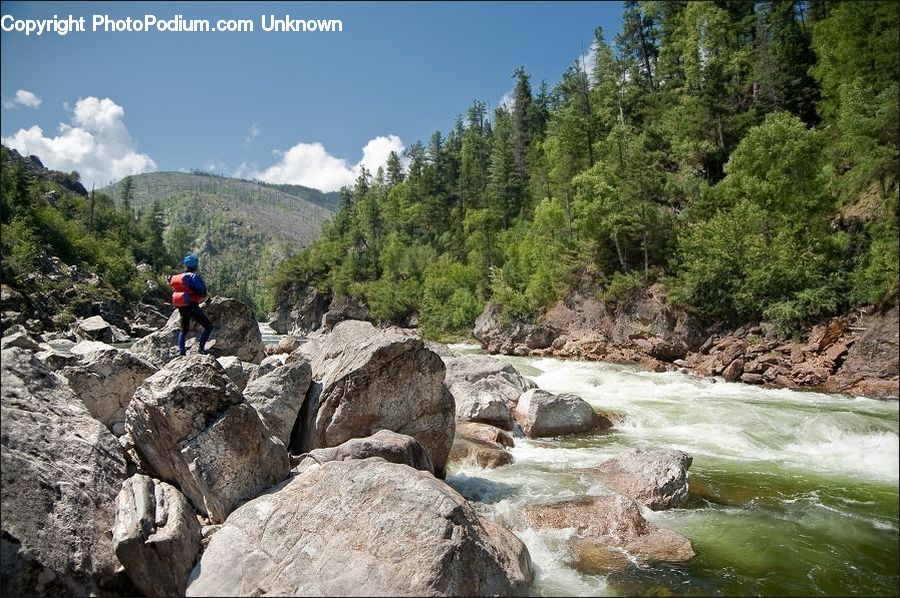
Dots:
(294, 107)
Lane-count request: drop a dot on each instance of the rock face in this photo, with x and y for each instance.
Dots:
(485, 389)
(608, 522)
(541, 413)
(157, 536)
(278, 397)
(300, 309)
(390, 446)
(61, 470)
(362, 528)
(236, 333)
(498, 336)
(191, 428)
(657, 478)
(343, 309)
(105, 379)
(376, 379)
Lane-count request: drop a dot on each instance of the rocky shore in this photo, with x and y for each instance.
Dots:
(855, 354)
(316, 471)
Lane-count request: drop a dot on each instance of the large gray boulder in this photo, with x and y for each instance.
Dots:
(541, 413)
(236, 333)
(604, 527)
(278, 396)
(370, 379)
(105, 379)
(192, 428)
(61, 470)
(157, 536)
(366, 527)
(96, 328)
(390, 446)
(485, 389)
(658, 478)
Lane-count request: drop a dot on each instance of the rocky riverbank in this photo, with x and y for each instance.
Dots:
(855, 354)
(317, 471)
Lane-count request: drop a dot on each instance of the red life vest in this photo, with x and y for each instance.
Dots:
(181, 296)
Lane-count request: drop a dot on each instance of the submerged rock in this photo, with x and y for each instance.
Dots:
(362, 528)
(61, 471)
(157, 536)
(605, 527)
(657, 478)
(191, 427)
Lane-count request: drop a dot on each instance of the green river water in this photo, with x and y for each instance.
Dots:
(792, 493)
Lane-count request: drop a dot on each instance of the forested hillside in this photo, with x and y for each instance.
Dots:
(240, 229)
(743, 153)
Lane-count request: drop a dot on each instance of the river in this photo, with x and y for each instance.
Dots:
(793, 493)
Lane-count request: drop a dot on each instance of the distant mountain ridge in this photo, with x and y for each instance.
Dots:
(240, 229)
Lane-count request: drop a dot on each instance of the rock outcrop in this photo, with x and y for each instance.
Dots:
(300, 309)
(362, 527)
(541, 413)
(390, 446)
(604, 527)
(192, 428)
(105, 379)
(370, 379)
(156, 536)
(278, 397)
(61, 471)
(499, 336)
(236, 332)
(657, 478)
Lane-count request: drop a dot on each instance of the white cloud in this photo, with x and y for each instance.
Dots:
(23, 98)
(252, 134)
(311, 165)
(508, 100)
(96, 144)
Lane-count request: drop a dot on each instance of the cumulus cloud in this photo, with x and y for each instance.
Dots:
(508, 100)
(23, 97)
(311, 165)
(96, 143)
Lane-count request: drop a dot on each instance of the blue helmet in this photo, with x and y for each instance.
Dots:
(191, 261)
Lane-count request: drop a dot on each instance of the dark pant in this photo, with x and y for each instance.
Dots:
(193, 312)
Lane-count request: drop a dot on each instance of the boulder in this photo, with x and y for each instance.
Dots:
(236, 332)
(61, 470)
(733, 370)
(657, 478)
(278, 396)
(289, 344)
(606, 525)
(105, 379)
(156, 535)
(192, 428)
(20, 339)
(485, 389)
(372, 379)
(96, 328)
(541, 413)
(484, 432)
(234, 367)
(362, 527)
(390, 446)
(479, 452)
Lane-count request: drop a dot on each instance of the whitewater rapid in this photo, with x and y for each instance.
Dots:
(806, 483)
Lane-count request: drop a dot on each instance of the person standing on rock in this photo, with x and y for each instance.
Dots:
(188, 290)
